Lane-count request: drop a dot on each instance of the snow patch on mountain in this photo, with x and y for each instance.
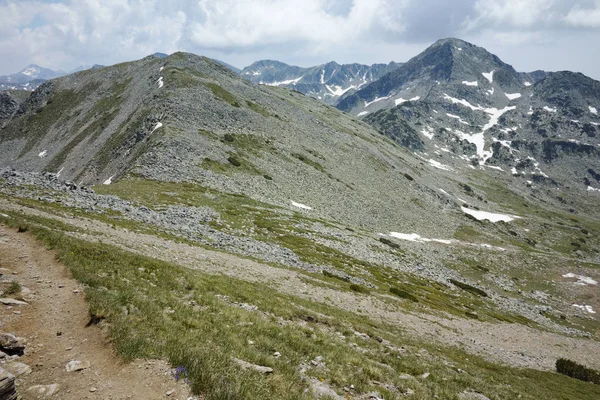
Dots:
(536, 165)
(158, 125)
(31, 71)
(458, 118)
(495, 115)
(467, 83)
(462, 102)
(581, 279)
(478, 139)
(489, 76)
(589, 309)
(527, 83)
(43, 154)
(492, 217)
(439, 165)
(160, 82)
(362, 113)
(593, 110)
(413, 237)
(428, 132)
(505, 143)
(400, 100)
(302, 206)
(513, 96)
(338, 90)
(553, 110)
(287, 82)
(378, 99)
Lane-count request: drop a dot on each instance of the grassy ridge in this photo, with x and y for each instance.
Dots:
(160, 310)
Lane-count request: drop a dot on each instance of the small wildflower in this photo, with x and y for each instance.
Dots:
(180, 373)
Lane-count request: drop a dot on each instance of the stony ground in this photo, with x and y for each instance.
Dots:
(54, 327)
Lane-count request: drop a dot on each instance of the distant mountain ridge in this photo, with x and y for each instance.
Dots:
(457, 106)
(327, 82)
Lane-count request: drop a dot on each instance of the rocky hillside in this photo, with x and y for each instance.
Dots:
(9, 103)
(188, 118)
(325, 82)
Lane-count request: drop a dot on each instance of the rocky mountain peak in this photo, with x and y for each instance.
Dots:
(462, 107)
(31, 70)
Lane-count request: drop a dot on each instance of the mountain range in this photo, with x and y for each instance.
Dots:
(436, 229)
(325, 82)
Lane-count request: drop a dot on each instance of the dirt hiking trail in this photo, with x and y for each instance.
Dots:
(53, 326)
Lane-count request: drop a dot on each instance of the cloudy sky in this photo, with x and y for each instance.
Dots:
(529, 34)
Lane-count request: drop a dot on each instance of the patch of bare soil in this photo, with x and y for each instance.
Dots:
(54, 325)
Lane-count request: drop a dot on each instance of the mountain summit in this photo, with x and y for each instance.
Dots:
(446, 61)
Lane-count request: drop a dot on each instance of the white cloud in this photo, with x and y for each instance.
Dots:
(65, 33)
(533, 15)
(518, 38)
(103, 31)
(514, 23)
(62, 34)
(241, 23)
(584, 17)
(508, 14)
